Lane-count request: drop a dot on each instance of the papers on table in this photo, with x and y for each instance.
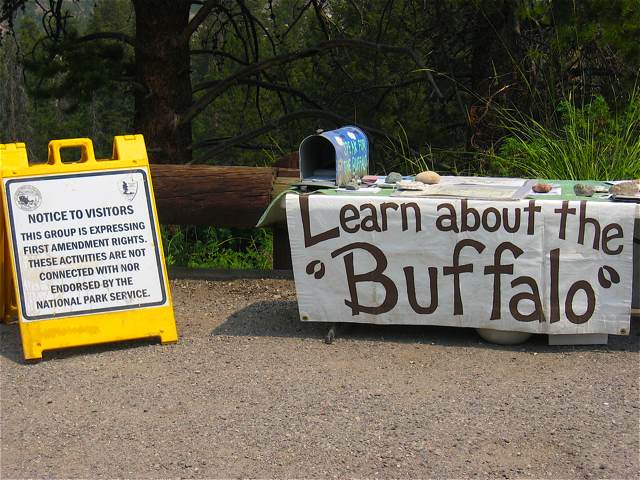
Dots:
(616, 182)
(488, 181)
(479, 188)
(477, 192)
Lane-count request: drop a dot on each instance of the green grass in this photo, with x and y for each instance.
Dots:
(587, 142)
(224, 248)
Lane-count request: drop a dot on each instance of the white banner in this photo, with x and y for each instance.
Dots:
(552, 266)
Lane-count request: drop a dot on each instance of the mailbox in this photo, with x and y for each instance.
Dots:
(335, 157)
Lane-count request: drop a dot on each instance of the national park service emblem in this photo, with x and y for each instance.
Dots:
(128, 188)
(27, 197)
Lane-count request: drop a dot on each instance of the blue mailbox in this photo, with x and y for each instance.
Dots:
(335, 157)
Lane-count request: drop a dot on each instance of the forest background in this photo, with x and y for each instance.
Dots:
(542, 88)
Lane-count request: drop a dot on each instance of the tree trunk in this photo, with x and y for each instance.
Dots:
(163, 78)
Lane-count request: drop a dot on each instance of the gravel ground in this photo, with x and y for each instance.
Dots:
(249, 391)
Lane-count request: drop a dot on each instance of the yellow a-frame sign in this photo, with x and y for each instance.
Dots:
(85, 247)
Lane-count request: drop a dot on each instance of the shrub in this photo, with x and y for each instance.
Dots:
(590, 142)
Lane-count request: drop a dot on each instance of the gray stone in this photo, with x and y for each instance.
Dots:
(393, 177)
(583, 190)
(624, 188)
(352, 185)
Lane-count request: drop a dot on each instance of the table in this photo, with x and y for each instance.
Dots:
(562, 265)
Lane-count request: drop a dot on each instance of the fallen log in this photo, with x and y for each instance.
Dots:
(215, 195)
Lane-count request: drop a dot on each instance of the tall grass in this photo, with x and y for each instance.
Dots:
(586, 142)
(408, 161)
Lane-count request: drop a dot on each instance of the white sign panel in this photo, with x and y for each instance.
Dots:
(85, 243)
(559, 267)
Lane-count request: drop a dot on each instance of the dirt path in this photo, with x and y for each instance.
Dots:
(249, 391)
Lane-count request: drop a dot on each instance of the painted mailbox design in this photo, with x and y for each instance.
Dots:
(337, 156)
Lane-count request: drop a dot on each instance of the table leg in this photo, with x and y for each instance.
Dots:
(281, 248)
(334, 330)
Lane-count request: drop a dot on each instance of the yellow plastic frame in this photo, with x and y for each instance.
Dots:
(129, 151)
(8, 305)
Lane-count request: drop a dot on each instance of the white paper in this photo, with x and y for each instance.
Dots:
(555, 190)
(489, 181)
(360, 190)
(616, 182)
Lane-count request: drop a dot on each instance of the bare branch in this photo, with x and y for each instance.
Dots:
(253, 20)
(9, 10)
(236, 29)
(266, 85)
(336, 119)
(322, 21)
(242, 146)
(389, 88)
(221, 53)
(297, 19)
(320, 17)
(197, 20)
(121, 37)
(257, 67)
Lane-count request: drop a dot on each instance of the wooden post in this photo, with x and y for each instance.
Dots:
(281, 247)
